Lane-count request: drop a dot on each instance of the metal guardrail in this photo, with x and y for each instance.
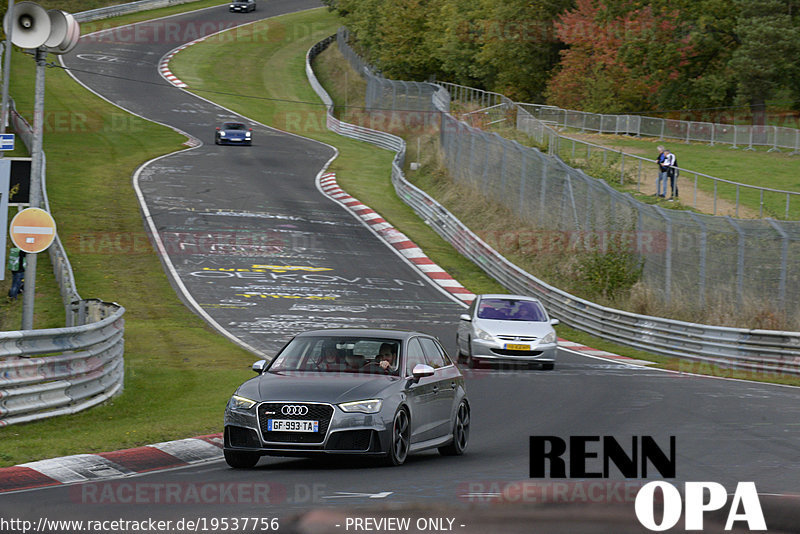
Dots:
(50, 372)
(58, 371)
(124, 9)
(755, 350)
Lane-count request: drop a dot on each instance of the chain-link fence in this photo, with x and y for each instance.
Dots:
(736, 135)
(687, 257)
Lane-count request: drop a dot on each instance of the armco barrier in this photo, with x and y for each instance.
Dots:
(83, 366)
(124, 9)
(50, 372)
(753, 350)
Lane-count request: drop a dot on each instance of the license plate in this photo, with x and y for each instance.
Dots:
(289, 425)
(512, 346)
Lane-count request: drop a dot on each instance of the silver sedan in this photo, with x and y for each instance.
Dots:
(509, 328)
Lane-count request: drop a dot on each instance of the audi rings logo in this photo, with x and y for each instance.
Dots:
(291, 409)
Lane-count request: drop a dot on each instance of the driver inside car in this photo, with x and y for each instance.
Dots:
(387, 355)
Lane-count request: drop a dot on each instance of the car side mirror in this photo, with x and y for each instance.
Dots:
(465, 317)
(554, 322)
(421, 371)
(259, 366)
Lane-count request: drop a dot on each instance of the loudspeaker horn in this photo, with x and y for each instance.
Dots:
(29, 24)
(64, 32)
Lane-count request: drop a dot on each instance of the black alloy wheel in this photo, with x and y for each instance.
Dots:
(460, 433)
(401, 438)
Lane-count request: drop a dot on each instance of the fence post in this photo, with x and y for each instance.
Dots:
(703, 246)
(784, 261)
(522, 178)
(667, 256)
(739, 260)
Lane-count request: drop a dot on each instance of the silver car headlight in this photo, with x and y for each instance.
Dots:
(364, 406)
(549, 338)
(482, 334)
(240, 403)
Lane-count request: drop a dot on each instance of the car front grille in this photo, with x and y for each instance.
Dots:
(506, 352)
(527, 339)
(316, 412)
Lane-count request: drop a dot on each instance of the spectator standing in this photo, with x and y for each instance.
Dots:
(669, 165)
(16, 264)
(662, 173)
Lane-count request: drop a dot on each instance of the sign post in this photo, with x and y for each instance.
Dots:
(32, 230)
(5, 187)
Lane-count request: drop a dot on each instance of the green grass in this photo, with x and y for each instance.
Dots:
(774, 170)
(362, 170)
(178, 372)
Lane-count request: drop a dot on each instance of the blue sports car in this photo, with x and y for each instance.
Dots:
(233, 133)
(242, 6)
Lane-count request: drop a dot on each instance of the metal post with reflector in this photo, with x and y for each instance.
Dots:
(57, 32)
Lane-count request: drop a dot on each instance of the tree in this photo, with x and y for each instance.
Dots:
(519, 47)
(620, 54)
(766, 57)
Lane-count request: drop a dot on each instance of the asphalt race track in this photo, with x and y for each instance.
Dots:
(264, 254)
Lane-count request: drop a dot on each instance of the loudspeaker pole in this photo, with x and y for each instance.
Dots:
(37, 157)
(6, 75)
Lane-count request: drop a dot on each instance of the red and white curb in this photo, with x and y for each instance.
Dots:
(108, 465)
(439, 276)
(163, 66)
(395, 238)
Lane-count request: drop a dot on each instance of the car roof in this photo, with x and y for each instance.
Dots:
(366, 332)
(508, 297)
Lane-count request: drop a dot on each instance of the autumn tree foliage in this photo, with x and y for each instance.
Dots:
(618, 56)
(606, 56)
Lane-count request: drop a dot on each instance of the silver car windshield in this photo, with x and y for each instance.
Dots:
(511, 310)
(339, 354)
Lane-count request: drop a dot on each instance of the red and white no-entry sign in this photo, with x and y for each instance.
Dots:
(32, 230)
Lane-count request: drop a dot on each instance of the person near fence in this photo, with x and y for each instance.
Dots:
(16, 264)
(669, 164)
(673, 173)
(662, 173)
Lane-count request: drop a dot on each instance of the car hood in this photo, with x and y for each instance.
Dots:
(515, 328)
(316, 387)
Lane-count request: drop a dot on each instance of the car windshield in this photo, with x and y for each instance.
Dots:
(234, 126)
(339, 354)
(511, 310)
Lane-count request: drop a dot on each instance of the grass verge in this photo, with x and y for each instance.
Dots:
(175, 365)
(362, 170)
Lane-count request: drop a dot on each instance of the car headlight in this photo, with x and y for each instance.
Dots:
(482, 334)
(240, 403)
(247, 134)
(222, 134)
(365, 406)
(549, 338)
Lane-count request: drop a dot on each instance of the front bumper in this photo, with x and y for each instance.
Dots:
(496, 351)
(233, 141)
(347, 433)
